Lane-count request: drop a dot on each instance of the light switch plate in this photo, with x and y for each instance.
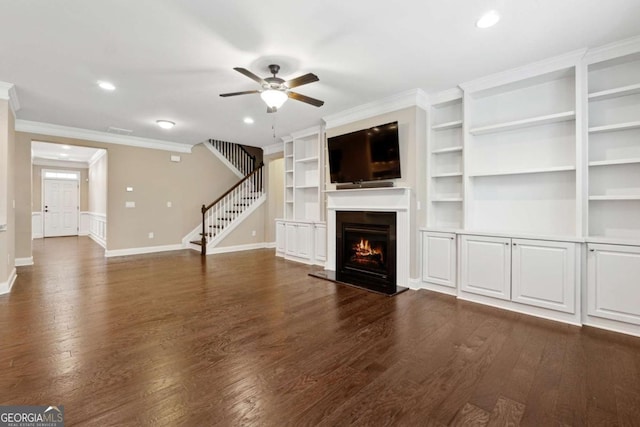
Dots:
(129, 189)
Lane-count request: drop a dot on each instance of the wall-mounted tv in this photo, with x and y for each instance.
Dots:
(365, 155)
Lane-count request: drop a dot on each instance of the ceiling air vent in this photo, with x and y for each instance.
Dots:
(119, 131)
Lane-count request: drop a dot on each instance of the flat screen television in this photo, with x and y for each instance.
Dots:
(365, 155)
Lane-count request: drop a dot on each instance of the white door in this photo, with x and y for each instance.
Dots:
(60, 207)
(439, 258)
(613, 291)
(543, 274)
(486, 266)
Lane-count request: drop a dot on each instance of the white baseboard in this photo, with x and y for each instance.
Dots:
(5, 287)
(144, 250)
(238, 248)
(270, 245)
(98, 240)
(22, 262)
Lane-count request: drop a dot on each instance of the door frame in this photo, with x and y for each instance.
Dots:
(64, 175)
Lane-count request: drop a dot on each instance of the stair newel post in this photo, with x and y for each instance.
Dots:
(203, 250)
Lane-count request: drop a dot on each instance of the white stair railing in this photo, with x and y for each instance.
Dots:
(236, 154)
(227, 208)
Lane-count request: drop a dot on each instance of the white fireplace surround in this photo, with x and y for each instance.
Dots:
(386, 199)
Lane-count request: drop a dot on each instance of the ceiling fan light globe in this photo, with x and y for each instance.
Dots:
(274, 98)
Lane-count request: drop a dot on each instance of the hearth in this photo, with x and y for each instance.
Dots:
(366, 249)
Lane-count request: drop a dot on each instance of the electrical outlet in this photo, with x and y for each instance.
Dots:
(253, 233)
(151, 235)
(169, 204)
(129, 204)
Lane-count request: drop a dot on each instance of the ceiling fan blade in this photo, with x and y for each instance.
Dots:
(302, 80)
(271, 109)
(307, 99)
(250, 75)
(246, 92)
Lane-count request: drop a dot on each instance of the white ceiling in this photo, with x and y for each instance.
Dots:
(66, 153)
(171, 59)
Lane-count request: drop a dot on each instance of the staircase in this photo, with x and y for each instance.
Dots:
(227, 212)
(235, 156)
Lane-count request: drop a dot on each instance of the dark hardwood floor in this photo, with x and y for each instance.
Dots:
(249, 339)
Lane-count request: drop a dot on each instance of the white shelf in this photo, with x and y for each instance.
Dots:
(448, 125)
(614, 197)
(306, 186)
(288, 186)
(289, 171)
(447, 175)
(616, 127)
(612, 240)
(308, 159)
(519, 124)
(447, 200)
(288, 155)
(615, 93)
(447, 150)
(615, 162)
(525, 171)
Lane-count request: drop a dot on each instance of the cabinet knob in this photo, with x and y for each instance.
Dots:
(592, 250)
(515, 244)
(507, 244)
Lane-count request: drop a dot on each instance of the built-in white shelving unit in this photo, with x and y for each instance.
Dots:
(444, 157)
(301, 234)
(522, 150)
(614, 144)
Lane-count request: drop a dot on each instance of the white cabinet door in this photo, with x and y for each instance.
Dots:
(486, 266)
(613, 282)
(280, 237)
(543, 274)
(439, 258)
(320, 239)
(303, 241)
(290, 238)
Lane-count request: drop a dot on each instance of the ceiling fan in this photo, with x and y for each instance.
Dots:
(275, 91)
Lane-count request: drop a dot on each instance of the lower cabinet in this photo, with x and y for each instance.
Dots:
(486, 266)
(613, 285)
(301, 241)
(533, 272)
(543, 274)
(439, 258)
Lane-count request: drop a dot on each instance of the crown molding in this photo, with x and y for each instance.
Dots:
(59, 163)
(96, 156)
(8, 93)
(97, 136)
(406, 99)
(613, 50)
(533, 70)
(314, 130)
(446, 96)
(278, 147)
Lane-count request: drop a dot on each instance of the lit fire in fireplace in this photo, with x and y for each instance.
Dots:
(364, 253)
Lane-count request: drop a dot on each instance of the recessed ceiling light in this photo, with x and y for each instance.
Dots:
(106, 86)
(66, 147)
(64, 155)
(165, 124)
(248, 120)
(487, 20)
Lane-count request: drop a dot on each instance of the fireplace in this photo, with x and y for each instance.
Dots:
(366, 249)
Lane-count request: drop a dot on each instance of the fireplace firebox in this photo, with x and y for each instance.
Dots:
(366, 249)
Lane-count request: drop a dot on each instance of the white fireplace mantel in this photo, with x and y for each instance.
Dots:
(385, 199)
